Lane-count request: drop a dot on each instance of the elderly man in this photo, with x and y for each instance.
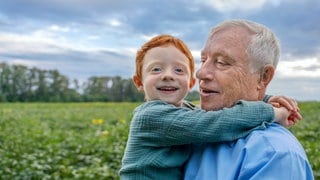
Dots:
(238, 62)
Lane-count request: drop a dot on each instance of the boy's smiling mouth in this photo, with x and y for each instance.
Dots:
(167, 88)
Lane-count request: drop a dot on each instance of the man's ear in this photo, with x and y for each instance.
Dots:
(138, 83)
(192, 83)
(266, 76)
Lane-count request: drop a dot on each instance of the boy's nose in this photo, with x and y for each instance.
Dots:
(167, 75)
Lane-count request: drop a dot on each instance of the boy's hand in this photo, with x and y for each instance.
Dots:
(291, 105)
(284, 101)
(281, 115)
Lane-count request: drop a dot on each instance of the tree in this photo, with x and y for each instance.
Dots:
(23, 84)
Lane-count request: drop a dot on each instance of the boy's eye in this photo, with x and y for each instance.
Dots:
(156, 69)
(179, 70)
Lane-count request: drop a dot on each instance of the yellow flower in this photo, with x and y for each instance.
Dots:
(100, 121)
(97, 121)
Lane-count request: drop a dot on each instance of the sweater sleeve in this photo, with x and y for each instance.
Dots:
(157, 123)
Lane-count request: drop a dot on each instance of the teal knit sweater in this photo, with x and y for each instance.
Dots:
(160, 135)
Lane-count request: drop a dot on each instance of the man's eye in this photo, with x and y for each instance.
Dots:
(220, 62)
(203, 59)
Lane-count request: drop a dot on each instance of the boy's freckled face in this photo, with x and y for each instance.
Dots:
(166, 75)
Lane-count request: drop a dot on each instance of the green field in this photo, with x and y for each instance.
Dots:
(86, 140)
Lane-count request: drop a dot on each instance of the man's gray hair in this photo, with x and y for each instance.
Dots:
(263, 48)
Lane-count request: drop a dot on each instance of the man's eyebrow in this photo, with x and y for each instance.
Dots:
(221, 53)
(224, 55)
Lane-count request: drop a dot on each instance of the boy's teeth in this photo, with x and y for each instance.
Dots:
(167, 89)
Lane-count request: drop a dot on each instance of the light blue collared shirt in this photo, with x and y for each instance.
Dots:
(273, 153)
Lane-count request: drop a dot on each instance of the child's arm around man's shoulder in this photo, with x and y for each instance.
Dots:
(161, 124)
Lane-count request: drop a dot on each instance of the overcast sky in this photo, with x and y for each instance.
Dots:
(84, 38)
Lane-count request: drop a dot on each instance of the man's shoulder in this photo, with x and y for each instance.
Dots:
(273, 131)
(275, 139)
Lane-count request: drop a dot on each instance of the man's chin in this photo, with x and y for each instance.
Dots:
(210, 107)
(211, 102)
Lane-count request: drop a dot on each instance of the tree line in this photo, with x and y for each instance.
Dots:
(20, 83)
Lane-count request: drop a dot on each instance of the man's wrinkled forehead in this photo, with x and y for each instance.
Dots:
(231, 43)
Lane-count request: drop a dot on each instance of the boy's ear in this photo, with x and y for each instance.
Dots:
(192, 83)
(266, 76)
(137, 82)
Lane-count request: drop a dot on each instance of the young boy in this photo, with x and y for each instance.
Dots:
(163, 128)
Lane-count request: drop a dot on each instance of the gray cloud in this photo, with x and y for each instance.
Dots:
(307, 68)
(96, 26)
(296, 24)
(301, 89)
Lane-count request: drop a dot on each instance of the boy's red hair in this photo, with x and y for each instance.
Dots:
(162, 40)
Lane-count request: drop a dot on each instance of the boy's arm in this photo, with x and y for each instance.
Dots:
(161, 124)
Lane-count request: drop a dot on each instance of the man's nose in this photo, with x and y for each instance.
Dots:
(205, 72)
